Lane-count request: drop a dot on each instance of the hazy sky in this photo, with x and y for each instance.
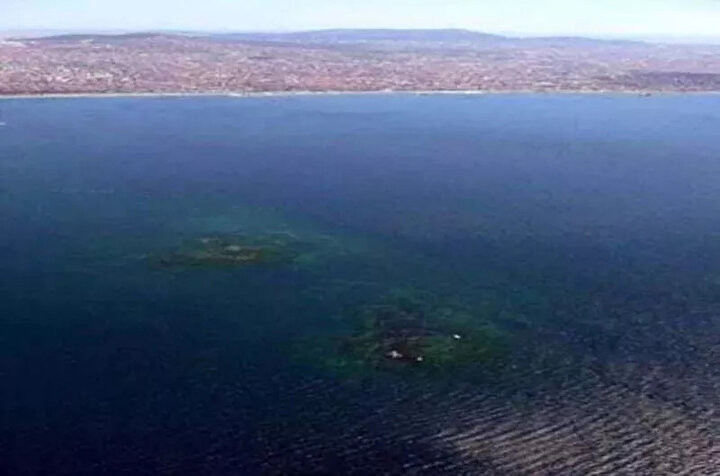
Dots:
(683, 18)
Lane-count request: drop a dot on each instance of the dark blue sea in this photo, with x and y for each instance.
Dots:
(584, 229)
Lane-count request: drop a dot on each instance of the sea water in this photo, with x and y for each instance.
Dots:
(586, 225)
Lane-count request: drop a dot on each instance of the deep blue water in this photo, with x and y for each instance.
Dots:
(587, 210)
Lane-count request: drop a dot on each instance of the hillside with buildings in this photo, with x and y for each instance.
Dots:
(348, 60)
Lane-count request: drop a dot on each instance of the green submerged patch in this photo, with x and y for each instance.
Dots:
(227, 251)
(409, 336)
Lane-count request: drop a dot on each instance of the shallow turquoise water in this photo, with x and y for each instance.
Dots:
(591, 218)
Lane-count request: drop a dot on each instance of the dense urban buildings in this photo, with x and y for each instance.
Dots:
(348, 60)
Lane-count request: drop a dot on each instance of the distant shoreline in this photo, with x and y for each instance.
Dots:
(261, 94)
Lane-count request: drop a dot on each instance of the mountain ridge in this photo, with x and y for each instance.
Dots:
(339, 35)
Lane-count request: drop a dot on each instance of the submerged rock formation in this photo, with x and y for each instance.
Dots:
(410, 336)
(230, 251)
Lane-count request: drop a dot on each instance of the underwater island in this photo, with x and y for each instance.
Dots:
(231, 251)
(408, 336)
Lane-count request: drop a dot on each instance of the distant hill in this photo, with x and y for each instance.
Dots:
(365, 35)
(422, 36)
(579, 41)
(348, 36)
(99, 37)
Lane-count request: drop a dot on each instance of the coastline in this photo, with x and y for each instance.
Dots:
(263, 94)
